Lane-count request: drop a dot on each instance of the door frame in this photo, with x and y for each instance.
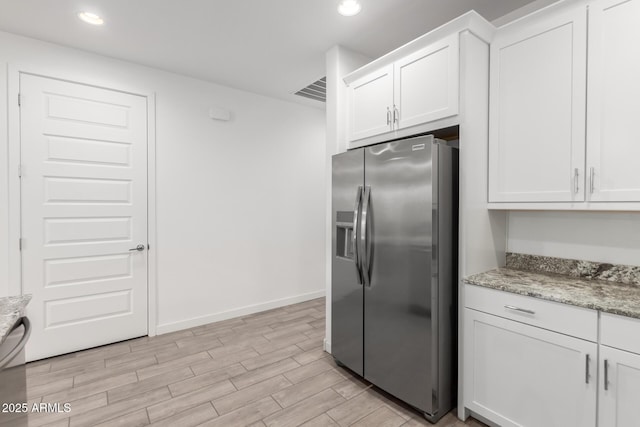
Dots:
(15, 286)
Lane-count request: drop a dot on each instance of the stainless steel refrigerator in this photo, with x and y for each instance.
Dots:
(394, 262)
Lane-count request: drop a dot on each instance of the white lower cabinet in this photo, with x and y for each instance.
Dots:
(536, 363)
(522, 375)
(619, 395)
(619, 388)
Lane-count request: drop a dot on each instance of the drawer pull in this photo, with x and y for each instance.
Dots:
(523, 310)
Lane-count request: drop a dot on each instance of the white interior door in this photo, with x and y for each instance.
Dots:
(84, 206)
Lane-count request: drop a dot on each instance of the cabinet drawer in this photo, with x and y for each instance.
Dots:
(620, 332)
(565, 319)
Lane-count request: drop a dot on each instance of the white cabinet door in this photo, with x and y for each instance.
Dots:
(426, 84)
(620, 393)
(613, 134)
(370, 104)
(537, 109)
(520, 375)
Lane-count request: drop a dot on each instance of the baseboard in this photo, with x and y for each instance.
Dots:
(242, 311)
(327, 346)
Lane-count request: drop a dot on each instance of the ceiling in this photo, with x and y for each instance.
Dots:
(271, 47)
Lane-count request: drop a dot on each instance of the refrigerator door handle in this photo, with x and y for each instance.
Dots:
(354, 234)
(365, 241)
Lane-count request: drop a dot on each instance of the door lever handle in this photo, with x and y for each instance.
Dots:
(138, 248)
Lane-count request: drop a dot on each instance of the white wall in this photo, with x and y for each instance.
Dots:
(612, 237)
(240, 204)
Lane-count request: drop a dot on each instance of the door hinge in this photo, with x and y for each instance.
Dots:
(19, 100)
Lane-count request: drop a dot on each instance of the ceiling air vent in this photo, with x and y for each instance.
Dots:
(316, 90)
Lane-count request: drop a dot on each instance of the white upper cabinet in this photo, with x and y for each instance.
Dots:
(426, 84)
(410, 87)
(613, 110)
(537, 109)
(370, 104)
(553, 77)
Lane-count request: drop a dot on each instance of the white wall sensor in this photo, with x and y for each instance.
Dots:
(219, 114)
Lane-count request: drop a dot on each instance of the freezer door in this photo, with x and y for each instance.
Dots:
(346, 287)
(398, 310)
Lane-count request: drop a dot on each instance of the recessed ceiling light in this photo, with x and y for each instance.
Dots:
(90, 18)
(349, 7)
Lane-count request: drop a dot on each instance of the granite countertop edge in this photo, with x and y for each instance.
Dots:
(605, 296)
(11, 310)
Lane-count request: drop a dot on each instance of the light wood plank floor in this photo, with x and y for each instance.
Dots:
(265, 369)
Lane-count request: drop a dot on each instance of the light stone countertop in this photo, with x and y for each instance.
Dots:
(607, 296)
(11, 309)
